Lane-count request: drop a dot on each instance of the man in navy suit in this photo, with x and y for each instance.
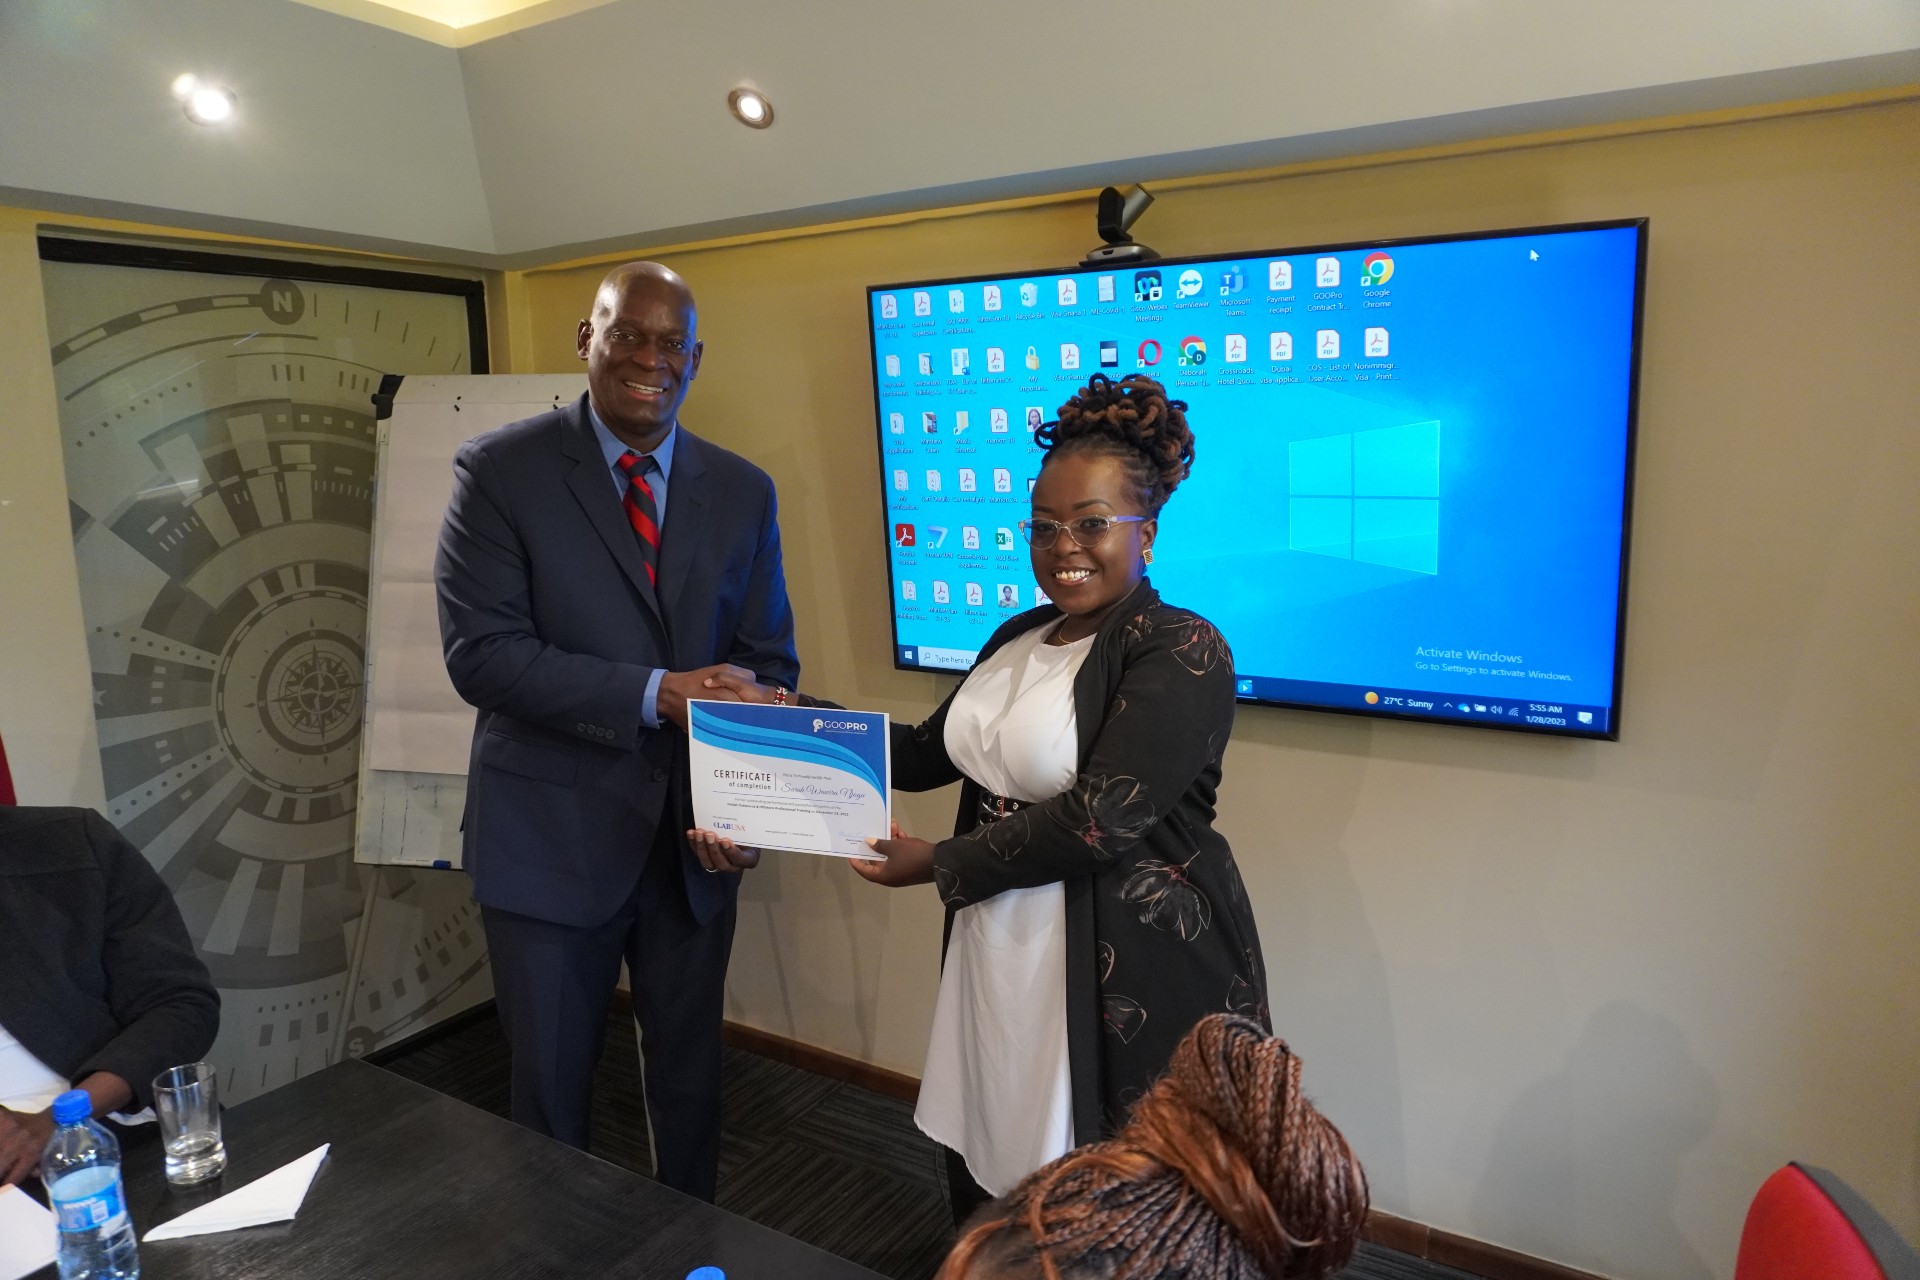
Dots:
(598, 563)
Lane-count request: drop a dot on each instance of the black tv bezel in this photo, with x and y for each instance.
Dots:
(1640, 226)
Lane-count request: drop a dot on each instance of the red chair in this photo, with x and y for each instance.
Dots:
(1807, 1224)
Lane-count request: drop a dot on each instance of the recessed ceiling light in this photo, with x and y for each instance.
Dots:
(210, 104)
(750, 108)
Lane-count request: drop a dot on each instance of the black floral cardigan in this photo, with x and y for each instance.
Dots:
(1159, 929)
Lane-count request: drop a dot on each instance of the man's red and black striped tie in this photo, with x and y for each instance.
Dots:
(641, 512)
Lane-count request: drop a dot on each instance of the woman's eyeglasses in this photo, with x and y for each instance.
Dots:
(1085, 531)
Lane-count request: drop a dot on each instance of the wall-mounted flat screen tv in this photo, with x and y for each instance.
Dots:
(1411, 491)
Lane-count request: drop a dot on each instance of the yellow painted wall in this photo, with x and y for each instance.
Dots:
(46, 685)
(1577, 998)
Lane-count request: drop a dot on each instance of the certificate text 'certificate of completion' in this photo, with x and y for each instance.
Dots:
(806, 779)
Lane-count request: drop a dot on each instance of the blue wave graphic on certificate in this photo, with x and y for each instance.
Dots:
(730, 729)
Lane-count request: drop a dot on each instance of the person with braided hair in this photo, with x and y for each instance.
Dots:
(1224, 1171)
(1094, 914)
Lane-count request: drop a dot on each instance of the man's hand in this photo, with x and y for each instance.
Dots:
(23, 1136)
(677, 686)
(741, 687)
(908, 861)
(717, 853)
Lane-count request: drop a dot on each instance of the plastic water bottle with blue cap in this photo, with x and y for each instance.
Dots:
(81, 1168)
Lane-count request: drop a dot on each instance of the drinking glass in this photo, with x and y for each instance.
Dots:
(189, 1109)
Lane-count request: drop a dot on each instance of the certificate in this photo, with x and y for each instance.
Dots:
(805, 779)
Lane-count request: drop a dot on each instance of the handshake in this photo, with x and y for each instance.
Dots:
(722, 682)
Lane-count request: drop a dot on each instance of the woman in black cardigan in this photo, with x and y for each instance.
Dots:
(100, 986)
(1159, 931)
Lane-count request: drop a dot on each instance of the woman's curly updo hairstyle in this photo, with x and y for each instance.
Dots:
(1131, 420)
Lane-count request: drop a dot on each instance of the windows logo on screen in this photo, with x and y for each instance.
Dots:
(1371, 496)
(1193, 353)
(1376, 269)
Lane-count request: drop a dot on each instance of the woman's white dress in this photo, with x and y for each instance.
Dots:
(996, 1087)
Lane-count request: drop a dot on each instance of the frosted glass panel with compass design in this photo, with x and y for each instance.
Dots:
(219, 430)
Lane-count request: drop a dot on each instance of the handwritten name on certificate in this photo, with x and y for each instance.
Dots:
(804, 779)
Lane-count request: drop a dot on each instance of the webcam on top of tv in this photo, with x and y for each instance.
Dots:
(1117, 212)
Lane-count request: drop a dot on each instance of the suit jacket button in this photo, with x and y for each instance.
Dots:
(659, 775)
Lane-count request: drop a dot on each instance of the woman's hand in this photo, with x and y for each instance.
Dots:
(908, 861)
(23, 1137)
(717, 853)
(740, 684)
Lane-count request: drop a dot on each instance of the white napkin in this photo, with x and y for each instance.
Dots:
(26, 1235)
(272, 1197)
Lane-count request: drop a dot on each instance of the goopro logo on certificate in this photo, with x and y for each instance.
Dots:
(802, 779)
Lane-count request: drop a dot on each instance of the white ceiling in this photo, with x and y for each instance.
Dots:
(604, 122)
(454, 23)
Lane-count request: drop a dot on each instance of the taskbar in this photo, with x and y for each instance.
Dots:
(1500, 711)
(929, 658)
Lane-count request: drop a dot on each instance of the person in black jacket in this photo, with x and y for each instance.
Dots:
(100, 988)
(1094, 914)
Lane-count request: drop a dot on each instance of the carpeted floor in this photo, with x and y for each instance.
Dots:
(826, 1162)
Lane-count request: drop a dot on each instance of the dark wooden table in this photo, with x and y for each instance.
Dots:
(419, 1185)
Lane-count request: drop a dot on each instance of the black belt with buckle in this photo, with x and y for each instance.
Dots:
(993, 807)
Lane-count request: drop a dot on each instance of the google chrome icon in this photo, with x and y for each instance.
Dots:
(1376, 268)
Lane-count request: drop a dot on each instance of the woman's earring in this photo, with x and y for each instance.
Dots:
(1146, 556)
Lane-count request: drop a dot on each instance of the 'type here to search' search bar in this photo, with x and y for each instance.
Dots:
(943, 659)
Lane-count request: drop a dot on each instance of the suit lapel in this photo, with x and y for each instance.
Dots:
(591, 483)
(689, 495)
